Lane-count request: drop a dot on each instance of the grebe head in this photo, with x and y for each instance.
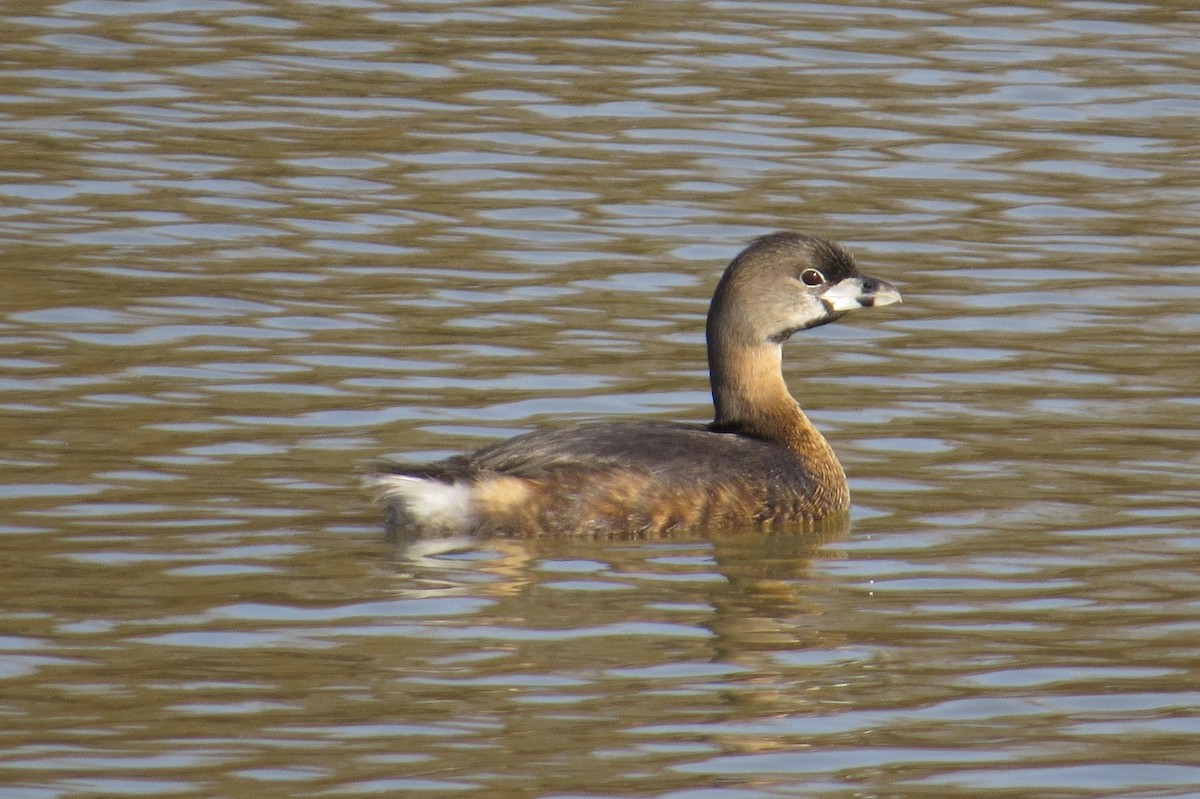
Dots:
(786, 282)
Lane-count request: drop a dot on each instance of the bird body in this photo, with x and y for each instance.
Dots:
(759, 465)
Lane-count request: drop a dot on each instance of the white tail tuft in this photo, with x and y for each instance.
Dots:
(425, 502)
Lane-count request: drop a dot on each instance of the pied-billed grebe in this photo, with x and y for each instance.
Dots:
(760, 464)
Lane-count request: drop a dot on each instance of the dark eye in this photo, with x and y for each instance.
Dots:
(811, 277)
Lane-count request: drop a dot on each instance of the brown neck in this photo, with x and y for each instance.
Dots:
(751, 398)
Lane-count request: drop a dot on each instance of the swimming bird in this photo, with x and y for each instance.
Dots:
(760, 464)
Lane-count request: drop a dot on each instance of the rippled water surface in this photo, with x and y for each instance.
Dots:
(249, 246)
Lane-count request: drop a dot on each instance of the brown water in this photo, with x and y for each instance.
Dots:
(247, 247)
